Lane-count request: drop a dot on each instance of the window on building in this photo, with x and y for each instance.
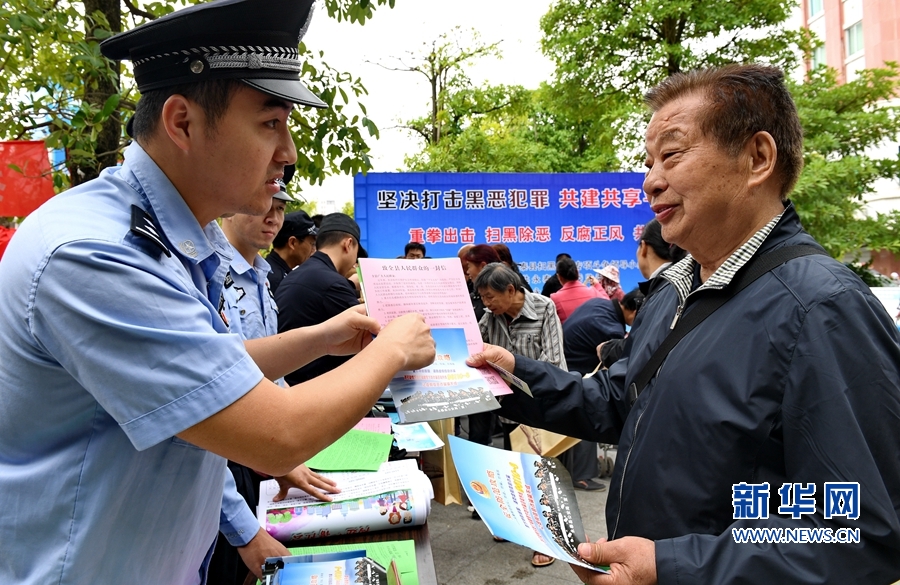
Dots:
(815, 7)
(853, 39)
(818, 57)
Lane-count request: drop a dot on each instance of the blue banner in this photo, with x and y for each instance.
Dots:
(597, 218)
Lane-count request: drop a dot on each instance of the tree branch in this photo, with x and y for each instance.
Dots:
(133, 9)
(27, 129)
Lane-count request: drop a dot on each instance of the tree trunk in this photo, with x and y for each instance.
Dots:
(98, 87)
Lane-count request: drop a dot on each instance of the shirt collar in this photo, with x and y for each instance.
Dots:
(681, 275)
(192, 241)
(528, 311)
(240, 265)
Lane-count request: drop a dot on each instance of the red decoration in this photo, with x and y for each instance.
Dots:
(24, 190)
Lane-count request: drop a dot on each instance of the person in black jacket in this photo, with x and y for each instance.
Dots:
(776, 420)
(319, 289)
(594, 324)
(293, 245)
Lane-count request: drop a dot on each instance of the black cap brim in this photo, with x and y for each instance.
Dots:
(291, 90)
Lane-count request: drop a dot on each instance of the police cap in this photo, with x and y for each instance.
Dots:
(254, 41)
(282, 183)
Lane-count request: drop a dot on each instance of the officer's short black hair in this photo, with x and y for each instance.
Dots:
(325, 239)
(212, 96)
(413, 246)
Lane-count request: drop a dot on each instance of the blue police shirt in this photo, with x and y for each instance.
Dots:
(249, 303)
(251, 312)
(110, 347)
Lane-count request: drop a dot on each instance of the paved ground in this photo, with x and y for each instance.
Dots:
(466, 554)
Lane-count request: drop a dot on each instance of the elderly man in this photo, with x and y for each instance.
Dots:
(122, 392)
(780, 410)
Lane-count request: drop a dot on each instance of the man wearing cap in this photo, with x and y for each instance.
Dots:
(294, 244)
(318, 290)
(122, 392)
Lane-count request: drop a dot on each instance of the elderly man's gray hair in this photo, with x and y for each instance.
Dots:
(497, 276)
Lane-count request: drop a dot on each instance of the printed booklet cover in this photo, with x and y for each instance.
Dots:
(397, 495)
(341, 568)
(445, 389)
(526, 499)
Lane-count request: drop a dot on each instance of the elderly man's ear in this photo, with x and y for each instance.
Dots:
(762, 155)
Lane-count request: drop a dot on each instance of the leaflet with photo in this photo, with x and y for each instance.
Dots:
(324, 568)
(396, 495)
(436, 288)
(416, 437)
(447, 388)
(526, 499)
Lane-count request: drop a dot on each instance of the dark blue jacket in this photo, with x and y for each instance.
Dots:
(795, 379)
(592, 323)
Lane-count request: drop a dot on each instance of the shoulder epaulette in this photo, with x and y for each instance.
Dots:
(142, 224)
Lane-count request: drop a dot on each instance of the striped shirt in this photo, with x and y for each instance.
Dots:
(535, 332)
(681, 275)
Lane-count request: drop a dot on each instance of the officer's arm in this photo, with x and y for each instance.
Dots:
(274, 429)
(284, 352)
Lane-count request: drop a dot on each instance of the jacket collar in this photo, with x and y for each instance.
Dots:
(681, 275)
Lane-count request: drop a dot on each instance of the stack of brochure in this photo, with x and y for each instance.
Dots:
(328, 568)
(397, 495)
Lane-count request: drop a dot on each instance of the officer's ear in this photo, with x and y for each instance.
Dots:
(180, 120)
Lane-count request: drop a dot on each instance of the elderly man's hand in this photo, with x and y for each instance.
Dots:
(302, 477)
(631, 560)
(494, 354)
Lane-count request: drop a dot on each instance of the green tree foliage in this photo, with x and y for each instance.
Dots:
(452, 96)
(55, 80)
(843, 124)
(494, 128)
(608, 53)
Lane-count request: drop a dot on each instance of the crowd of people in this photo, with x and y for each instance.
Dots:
(135, 424)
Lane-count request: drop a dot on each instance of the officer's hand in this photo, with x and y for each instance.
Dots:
(318, 486)
(495, 355)
(348, 332)
(256, 551)
(631, 560)
(412, 336)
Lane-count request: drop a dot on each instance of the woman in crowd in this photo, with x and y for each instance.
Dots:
(506, 257)
(573, 292)
(523, 322)
(476, 259)
(608, 282)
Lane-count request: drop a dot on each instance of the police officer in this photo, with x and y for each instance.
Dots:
(251, 312)
(121, 393)
(293, 246)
